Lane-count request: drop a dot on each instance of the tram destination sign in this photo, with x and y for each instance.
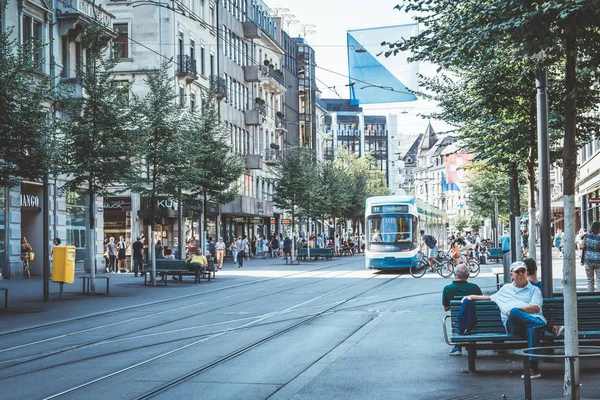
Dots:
(389, 208)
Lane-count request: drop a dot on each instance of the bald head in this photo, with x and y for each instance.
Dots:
(462, 272)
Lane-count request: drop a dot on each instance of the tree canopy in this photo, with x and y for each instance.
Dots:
(26, 100)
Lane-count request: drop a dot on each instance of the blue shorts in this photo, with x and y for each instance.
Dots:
(432, 252)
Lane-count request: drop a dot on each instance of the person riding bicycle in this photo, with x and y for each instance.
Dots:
(431, 243)
(460, 246)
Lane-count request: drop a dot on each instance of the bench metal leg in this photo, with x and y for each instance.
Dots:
(107, 286)
(471, 354)
(5, 298)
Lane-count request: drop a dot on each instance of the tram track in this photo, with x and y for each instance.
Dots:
(163, 301)
(29, 359)
(236, 353)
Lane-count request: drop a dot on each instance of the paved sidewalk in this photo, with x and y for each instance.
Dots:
(405, 346)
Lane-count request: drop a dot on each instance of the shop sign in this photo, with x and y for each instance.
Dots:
(285, 221)
(166, 204)
(593, 200)
(100, 209)
(30, 201)
(238, 219)
(256, 221)
(272, 220)
(117, 204)
(193, 207)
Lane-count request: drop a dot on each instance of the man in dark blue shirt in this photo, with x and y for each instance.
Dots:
(460, 287)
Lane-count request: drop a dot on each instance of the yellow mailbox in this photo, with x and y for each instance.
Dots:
(63, 264)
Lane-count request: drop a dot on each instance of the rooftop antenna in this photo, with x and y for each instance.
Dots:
(307, 29)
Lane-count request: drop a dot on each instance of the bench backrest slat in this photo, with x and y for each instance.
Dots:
(489, 320)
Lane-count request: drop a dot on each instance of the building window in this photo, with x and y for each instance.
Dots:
(181, 96)
(32, 37)
(212, 64)
(211, 20)
(192, 49)
(122, 40)
(201, 10)
(202, 62)
(193, 102)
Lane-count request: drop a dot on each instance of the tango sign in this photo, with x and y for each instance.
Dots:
(30, 201)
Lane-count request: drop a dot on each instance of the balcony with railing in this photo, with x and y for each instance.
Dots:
(218, 85)
(72, 14)
(186, 67)
(280, 126)
(257, 114)
(272, 156)
(272, 79)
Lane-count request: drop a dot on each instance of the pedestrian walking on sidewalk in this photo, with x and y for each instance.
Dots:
(220, 250)
(137, 248)
(112, 255)
(26, 252)
(591, 247)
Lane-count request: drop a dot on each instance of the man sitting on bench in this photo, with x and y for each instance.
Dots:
(520, 306)
(198, 263)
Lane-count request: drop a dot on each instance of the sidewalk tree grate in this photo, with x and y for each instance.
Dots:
(539, 393)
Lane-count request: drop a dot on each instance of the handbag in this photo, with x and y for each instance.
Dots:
(31, 255)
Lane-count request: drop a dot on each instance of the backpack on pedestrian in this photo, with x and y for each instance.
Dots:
(430, 241)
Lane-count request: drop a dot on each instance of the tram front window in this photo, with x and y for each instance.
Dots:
(389, 229)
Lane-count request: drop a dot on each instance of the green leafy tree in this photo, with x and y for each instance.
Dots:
(332, 191)
(99, 132)
(162, 145)
(213, 174)
(296, 180)
(566, 34)
(485, 188)
(363, 181)
(460, 223)
(26, 131)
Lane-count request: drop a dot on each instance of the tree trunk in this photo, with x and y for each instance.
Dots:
(150, 241)
(571, 381)
(92, 244)
(203, 225)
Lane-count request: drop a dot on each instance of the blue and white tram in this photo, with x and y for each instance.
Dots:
(393, 225)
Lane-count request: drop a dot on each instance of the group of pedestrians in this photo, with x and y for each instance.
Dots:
(115, 255)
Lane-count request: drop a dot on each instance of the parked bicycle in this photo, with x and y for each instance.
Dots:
(422, 265)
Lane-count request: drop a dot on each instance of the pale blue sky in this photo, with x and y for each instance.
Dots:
(332, 18)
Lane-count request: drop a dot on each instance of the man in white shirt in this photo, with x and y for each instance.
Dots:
(520, 305)
(220, 250)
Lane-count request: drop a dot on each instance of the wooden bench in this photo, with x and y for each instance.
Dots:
(495, 253)
(5, 297)
(180, 268)
(491, 335)
(86, 281)
(325, 253)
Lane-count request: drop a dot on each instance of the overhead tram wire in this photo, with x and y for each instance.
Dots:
(195, 17)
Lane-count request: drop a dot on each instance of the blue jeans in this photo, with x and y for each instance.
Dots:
(198, 268)
(524, 324)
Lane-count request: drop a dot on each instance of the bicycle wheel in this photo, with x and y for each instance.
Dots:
(474, 268)
(418, 268)
(445, 268)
